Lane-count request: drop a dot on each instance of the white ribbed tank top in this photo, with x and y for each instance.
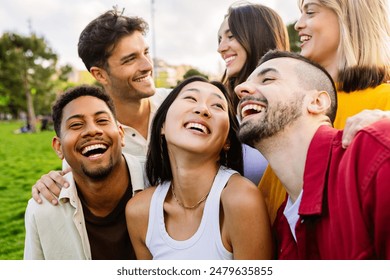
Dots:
(205, 244)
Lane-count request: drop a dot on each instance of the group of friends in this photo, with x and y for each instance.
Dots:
(254, 166)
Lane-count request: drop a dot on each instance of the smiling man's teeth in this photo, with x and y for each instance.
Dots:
(93, 147)
(142, 79)
(251, 109)
(197, 126)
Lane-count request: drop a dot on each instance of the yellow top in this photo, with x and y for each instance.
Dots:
(349, 104)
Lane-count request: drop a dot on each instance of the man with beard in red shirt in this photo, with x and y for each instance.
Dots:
(337, 199)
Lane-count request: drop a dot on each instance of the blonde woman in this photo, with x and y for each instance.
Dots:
(351, 39)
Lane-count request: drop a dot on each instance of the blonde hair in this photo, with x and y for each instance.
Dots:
(365, 44)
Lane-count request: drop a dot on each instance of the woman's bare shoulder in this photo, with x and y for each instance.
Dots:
(139, 204)
(240, 191)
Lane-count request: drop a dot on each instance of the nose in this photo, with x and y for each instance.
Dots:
(243, 90)
(146, 63)
(202, 110)
(91, 129)
(222, 46)
(299, 24)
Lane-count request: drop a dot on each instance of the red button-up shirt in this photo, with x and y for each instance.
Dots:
(345, 207)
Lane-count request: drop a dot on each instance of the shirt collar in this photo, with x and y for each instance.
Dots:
(70, 193)
(316, 169)
(136, 175)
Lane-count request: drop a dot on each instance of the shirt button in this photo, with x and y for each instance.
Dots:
(302, 221)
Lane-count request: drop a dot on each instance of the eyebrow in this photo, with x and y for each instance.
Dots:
(126, 57)
(307, 5)
(81, 116)
(266, 70)
(224, 32)
(198, 91)
(133, 54)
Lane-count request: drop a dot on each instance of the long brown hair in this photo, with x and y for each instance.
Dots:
(258, 29)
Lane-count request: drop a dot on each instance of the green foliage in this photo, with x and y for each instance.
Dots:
(24, 158)
(194, 72)
(294, 38)
(28, 66)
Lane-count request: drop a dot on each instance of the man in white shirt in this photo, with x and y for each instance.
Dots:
(114, 50)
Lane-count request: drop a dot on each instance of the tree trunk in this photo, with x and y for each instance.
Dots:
(31, 119)
(31, 112)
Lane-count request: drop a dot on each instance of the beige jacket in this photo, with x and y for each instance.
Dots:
(59, 232)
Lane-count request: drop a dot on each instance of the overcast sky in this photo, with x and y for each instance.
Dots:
(185, 30)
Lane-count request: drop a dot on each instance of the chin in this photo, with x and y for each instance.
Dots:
(98, 173)
(306, 53)
(150, 91)
(232, 73)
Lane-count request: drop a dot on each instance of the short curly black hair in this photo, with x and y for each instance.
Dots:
(74, 93)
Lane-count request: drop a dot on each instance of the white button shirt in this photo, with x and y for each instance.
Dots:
(59, 232)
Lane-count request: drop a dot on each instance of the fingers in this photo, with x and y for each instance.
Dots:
(35, 195)
(351, 128)
(54, 180)
(65, 171)
(40, 189)
(49, 186)
(360, 121)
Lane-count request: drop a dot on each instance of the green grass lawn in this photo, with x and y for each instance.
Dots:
(23, 159)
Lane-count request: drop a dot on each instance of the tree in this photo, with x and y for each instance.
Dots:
(294, 38)
(194, 72)
(28, 75)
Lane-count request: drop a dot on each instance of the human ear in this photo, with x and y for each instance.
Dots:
(99, 74)
(56, 144)
(320, 103)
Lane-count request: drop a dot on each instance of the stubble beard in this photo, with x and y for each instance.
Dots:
(275, 120)
(127, 90)
(98, 173)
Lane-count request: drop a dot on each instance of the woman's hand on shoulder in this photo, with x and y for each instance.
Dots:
(360, 121)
